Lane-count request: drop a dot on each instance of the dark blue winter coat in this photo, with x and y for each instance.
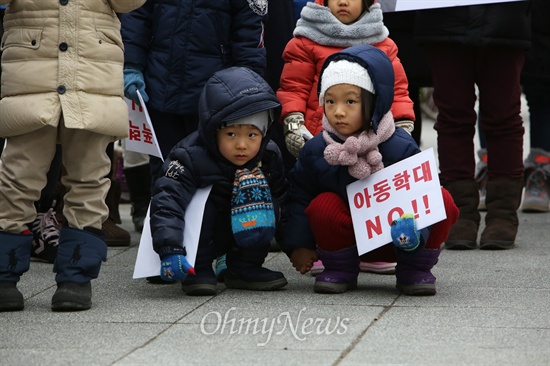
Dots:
(537, 64)
(500, 24)
(195, 162)
(180, 44)
(312, 175)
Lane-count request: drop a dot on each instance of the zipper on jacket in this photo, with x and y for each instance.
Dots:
(156, 17)
(223, 51)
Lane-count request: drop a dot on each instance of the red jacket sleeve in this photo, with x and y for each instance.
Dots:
(402, 107)
(297, 77)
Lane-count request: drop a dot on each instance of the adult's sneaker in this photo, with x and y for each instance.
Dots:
(537, 181)
(537, 191)
(481, 178)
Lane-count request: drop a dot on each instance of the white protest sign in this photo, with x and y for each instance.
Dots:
(409, 186)
(148, 261)
(141, 135)
(404, 5)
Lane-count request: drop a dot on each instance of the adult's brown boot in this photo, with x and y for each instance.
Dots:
(501, 223)
(115, 236)
(463, 234)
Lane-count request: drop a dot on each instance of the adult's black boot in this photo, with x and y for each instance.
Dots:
(139, 187)
(15, 256)
(463, 234)
(78, 261)
(245, 271)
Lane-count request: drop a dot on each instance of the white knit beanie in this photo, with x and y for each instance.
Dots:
(344, 72)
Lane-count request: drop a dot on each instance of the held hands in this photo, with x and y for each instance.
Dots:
(175, 267)
(407, 125)
(133, 81)
(404, 233)
(296, 134)
(302, 259)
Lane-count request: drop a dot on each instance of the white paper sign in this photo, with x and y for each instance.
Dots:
(410, 186)
(148, 261)
(141, 135)
(404, 5)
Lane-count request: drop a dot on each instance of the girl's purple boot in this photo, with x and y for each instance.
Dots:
(413, 271)
(341, 271)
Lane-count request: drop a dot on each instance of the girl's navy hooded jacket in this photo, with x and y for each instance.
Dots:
(312, 175)
(195, 162)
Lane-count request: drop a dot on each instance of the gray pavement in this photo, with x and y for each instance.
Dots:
(492, 308)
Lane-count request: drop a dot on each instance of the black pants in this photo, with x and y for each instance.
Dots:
(169, 130)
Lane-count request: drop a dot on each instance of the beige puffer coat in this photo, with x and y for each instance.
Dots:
(63, 57)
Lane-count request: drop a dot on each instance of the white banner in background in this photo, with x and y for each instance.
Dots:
(404, 5)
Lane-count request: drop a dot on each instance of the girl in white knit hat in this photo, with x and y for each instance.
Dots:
(359, 138)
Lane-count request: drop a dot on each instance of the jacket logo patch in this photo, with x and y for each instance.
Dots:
(258, 6)
(175, 169)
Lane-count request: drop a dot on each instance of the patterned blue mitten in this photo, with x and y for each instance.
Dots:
(175, 267)
(404, 233)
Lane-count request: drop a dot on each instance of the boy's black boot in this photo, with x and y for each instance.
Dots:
(245, 271)
(78, 261)
(15, 256)
(203, 282)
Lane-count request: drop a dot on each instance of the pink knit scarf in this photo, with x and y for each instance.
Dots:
(358, 151)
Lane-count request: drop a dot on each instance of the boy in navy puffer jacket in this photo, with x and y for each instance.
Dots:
(232, 152)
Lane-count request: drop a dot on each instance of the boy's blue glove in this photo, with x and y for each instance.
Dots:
(175, 267)
(404, 233)
(133, 81)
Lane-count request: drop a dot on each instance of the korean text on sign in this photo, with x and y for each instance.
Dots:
(410, 186)
(141, 135)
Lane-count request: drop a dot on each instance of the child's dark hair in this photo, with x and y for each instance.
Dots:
(367, 107)
(366, 4)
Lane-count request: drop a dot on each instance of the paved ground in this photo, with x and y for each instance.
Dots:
(492, 308)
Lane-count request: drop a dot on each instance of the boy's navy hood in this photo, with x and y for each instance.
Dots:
(231, 94)
(380, 70)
